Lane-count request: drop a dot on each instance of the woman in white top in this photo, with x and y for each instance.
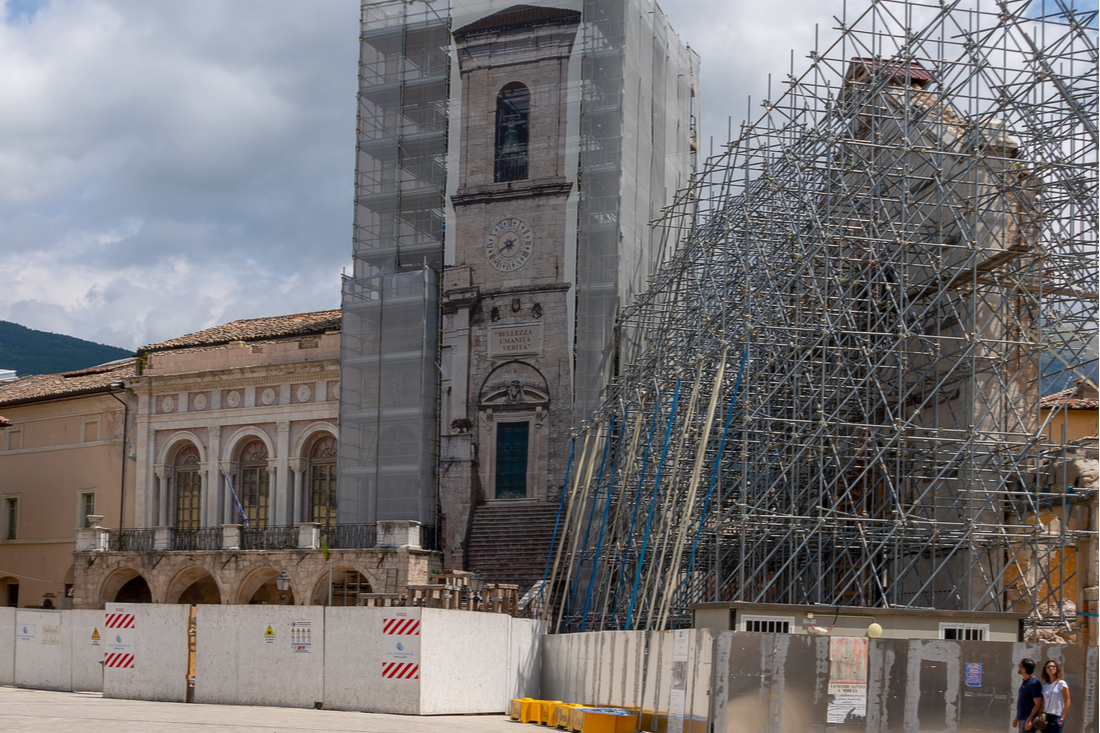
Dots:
(1055, 696)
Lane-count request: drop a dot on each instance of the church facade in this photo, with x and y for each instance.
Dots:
(502, 210)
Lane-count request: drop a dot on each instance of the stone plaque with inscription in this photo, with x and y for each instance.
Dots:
(520, 340)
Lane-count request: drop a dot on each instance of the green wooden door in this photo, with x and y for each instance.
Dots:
(512, 460)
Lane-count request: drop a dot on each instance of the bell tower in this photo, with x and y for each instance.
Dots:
(507, 389)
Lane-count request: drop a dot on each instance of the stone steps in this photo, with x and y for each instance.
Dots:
(509, 543)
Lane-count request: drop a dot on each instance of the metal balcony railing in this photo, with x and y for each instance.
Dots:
(350, 536)
(130, 540)
(269, 538)
(207, 538)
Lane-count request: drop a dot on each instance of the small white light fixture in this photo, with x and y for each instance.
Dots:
(282, 582)
(874, 630)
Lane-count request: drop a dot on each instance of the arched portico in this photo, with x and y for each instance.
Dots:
(125, 585)
(259, 586)
(195, 585)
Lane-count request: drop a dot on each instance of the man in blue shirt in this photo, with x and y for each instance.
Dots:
(1030, 699)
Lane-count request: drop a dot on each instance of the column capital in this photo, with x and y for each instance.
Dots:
(296, 464)
(283, 426)
(214, 431)
(161, 470)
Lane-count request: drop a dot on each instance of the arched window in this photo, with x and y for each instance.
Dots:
(513, 106)
(322, 482)
(253, 484)
(188, 490)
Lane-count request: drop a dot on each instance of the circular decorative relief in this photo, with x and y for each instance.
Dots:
(267, 396)
(335, 391)
(304, 392)
(509, 245)
(233, 399)
(199, 402)
(167, 404)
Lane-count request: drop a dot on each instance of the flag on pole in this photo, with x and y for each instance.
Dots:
(236, 501)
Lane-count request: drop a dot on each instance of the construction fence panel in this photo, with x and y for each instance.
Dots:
(145, 651)
(663, 676)
(86, 632)
(260, 655)
(524, 678)
(361, 658)
(43, 650)
(774, 683)
(7, 646)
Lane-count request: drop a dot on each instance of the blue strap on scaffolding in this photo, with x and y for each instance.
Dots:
(652, 506)
(606, 509)
(638, 495)
(717, 466)
(591, 515)
(554, 539)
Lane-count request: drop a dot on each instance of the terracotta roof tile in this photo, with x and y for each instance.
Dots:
(252, 329)
(48, 386)
(1081, 396)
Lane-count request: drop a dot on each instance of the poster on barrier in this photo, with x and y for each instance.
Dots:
(847, 680)
(301, 637)
(120, 638)
(401, 645)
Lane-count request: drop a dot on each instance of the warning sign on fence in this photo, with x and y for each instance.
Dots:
(269, 635)
(301, 637)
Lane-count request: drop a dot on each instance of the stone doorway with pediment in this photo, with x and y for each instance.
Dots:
(513, 430)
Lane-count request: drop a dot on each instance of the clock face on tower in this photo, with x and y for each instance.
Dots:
(509, 245)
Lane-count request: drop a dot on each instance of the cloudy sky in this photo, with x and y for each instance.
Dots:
(168, 166)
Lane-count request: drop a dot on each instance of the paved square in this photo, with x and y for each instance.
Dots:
(76, 712)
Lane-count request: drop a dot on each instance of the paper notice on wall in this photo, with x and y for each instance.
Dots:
(847, 680)
(301, 637)
(26, 632)
(51, 635)
(677, 694)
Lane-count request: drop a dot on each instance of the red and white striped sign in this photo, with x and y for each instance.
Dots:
(401, 626)
(400, 670)
(120, 661)
(119, 620)
(119, 637)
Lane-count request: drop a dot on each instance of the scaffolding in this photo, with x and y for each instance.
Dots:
(831, 392)
(390, 335)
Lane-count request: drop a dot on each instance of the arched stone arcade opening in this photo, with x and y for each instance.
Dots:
(125, 585)
(194, 585)
(348, 584)
(260, 588)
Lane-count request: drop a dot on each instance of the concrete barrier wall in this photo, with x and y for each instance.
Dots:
(7, 646)
(160, 648)
(356, 651)
(635, 670)
(260, 655)
(43, 650)
(436, 662)
(87, 649)
(524, 678)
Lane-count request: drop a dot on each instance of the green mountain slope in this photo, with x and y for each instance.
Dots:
(37, 352)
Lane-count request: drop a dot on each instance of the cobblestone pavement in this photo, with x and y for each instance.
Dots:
(38, 711)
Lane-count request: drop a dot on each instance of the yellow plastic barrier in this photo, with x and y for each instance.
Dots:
(601, 720)
(546, 711)
(530, 711)
(559, 716)
(515, 710)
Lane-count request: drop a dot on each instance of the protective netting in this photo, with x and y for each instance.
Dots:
(389, 337)
(833, 388)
